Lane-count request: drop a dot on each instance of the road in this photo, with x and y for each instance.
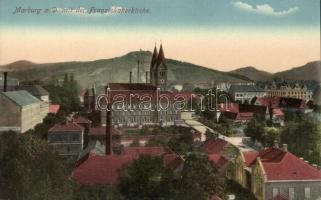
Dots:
(236, 141)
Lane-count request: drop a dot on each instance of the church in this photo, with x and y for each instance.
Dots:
(131, 94)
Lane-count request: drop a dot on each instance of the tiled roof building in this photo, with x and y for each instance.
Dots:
(66, 138)
(20, 111)
(274, 173)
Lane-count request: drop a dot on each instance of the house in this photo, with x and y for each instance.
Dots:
(20, 111)
(222, 155)
(67, 138)
(245, 93)
(241, 113)
(275, 173)
(40, 93)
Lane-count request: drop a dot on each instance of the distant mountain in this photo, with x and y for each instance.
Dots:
(117, 70)
(309, 71)
(253, 73)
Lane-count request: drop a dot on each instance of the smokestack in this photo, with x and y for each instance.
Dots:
(108, 127)
(5, 81)
(130, 77)
(146, 77)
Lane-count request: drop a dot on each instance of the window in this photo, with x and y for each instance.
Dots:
(275, 192)
(291, 193)
(307, 194)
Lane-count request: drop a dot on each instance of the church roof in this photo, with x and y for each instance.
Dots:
(154, 57)
(161, 56)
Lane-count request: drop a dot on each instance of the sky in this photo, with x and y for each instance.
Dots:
(272, 35)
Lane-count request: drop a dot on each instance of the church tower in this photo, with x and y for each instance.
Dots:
(153, 66)
(158, 69)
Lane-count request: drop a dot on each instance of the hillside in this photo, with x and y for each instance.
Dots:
(116, 70)
(253, 73)
(309, 71)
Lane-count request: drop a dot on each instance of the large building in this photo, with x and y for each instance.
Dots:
(274, 173)
(133, 112)
(245, 93)
(296, 91)
(20, 111)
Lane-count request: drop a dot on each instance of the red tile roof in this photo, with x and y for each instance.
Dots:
(65, 127)
(218, 160)
(269, 101)
(100, 170)
(173, 161)
(95, 169)
(54, 108)
(249, 157)
(282, 165)
(131, 86)
(278, 112)
(213, 146)
(241, 111)
(101, 131)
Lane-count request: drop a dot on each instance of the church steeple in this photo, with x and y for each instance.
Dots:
(154, 57)
(161, 56)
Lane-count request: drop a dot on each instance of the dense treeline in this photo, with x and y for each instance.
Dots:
(66, 94)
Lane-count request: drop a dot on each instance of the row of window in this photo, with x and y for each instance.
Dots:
(307, 193)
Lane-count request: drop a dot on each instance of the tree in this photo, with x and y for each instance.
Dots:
(303, 139)
(142, 178)
(31, 169)
(270, 135)
(181, 144)
(66, 95)
(255, 128)
(198, 180)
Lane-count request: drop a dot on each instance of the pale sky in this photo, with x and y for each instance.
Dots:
(269, 35)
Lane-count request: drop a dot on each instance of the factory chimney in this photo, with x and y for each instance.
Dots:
(108, 127)
(5, 81)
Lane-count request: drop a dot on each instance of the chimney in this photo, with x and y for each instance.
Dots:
(108, 129)
(276, 144)
(285, 147)
(5, 81)
(130, 77)
(146, 77)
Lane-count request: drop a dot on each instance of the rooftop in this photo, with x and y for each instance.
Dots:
(245, 88)
(283, 165)
(35, 90)
(65, 127)
(53, 108)
(213, 146)
(131, 86)
(100, 169)
(21, 97)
